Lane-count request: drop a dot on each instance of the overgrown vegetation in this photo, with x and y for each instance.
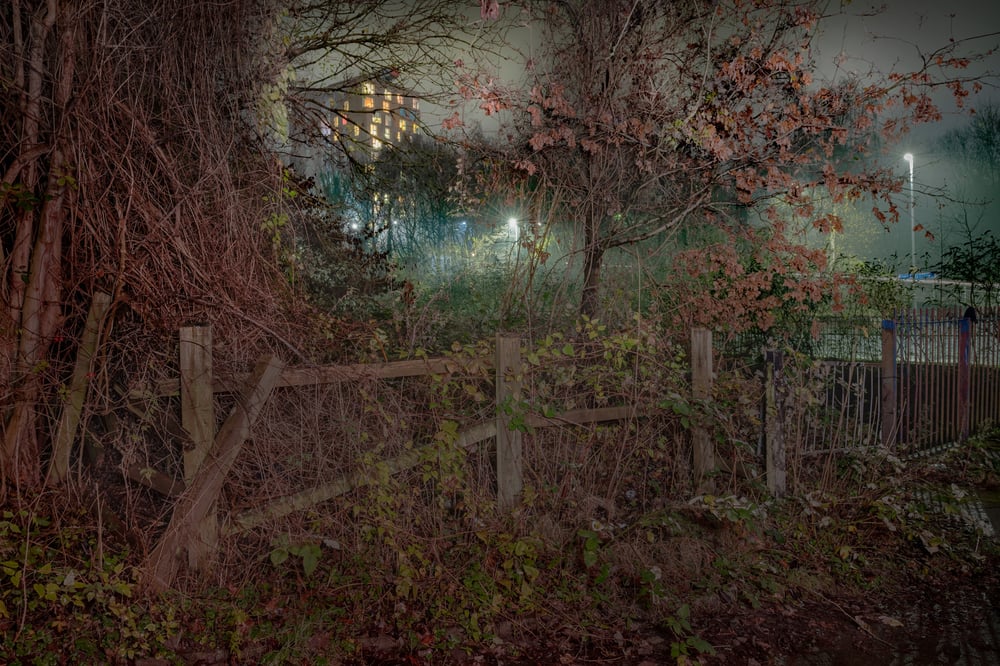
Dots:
(454, 580)
(420, 565)
(144, 156)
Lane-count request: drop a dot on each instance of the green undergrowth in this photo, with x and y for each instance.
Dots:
(499, 586)
(66, 594)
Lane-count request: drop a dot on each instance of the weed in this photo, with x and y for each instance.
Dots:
(309, 553)
(686, 643)
(51, 587)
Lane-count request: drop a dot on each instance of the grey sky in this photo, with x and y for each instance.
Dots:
(864, 37)
(894, 35)
(895, 39)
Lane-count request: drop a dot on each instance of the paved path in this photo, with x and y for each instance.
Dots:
(960, 629)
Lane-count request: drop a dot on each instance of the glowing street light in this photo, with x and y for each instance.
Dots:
(913, 239)
(512, 227)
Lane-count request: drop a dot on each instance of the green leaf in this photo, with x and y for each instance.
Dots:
(701, 645)
(278, 556)
(310, 559)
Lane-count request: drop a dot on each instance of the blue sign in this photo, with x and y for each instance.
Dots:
(926, 275)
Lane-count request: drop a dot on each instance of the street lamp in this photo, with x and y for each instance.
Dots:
(913, 239)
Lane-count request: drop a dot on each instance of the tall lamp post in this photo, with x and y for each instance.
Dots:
(913, 239)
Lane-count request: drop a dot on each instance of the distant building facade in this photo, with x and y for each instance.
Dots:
(372, 115)
(352, 123)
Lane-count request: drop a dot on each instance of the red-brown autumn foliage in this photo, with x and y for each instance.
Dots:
(637, 119)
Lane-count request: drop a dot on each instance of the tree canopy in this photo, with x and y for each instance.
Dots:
(640, 117)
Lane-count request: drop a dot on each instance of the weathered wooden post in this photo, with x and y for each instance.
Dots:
(774, 415)
(198, 420)
(964, 375)
(701, 385)
(69, 420)
(508, 392)
(200, 496)
(890, 426)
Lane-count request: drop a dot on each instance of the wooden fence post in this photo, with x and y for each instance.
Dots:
(508, 392)
(701, 385)
(890, 427)
(194, 504)
(198, 420)
(69, 420)
(964, 376)
(774, 415)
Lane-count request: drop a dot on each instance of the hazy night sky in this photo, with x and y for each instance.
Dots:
(877, 38)
(901, 31)
(893, 37)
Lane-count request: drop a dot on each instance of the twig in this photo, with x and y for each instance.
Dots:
(863, 626)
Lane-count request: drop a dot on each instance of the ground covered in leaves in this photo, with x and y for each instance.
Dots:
(890, 564)
(908, 577)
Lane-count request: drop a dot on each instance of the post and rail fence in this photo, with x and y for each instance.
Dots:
(938, 380)
(195, 528)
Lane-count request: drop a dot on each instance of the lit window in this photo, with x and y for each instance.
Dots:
(399, 99)
(376, 144)
(402, 124)
(357, 130)
(376, 119)
(385, 105)
(347, 105)
(369, 103)
(387, 133)
(398, 138)
(388, 95)
(373, 130)
(416, 103)
(368, 88)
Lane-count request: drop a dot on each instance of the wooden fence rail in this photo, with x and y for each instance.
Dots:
(194, 528)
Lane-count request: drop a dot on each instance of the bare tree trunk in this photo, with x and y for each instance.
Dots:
(592, 264)
(30, 106)
(36, 277)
